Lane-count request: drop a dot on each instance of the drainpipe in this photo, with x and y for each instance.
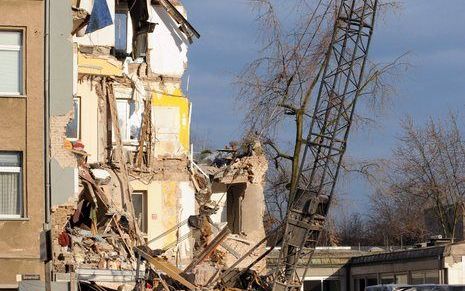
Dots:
(48, 264)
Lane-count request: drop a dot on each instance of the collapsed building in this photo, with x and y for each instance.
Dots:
(129, 202)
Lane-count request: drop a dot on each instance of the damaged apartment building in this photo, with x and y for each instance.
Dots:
(121, 198)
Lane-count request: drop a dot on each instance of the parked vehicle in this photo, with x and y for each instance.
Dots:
(425, 287)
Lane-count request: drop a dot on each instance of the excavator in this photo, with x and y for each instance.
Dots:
(325, 145)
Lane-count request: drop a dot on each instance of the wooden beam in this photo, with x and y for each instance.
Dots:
(209, 248)
(164, 266)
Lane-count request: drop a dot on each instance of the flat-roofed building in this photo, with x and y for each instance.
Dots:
(354, 268)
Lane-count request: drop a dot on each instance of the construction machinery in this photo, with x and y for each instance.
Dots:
(332, 117)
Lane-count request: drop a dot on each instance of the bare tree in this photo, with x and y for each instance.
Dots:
(395, 220)
(276, 191)
(351, 230)
(427, 171)
(277, 88)
(329, 235)
(201, 141)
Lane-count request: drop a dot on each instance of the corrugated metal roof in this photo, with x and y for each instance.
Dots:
(321, 258)
(429, 252)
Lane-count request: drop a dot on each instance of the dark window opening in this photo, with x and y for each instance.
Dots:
(234, 207)
(121, 32)
(331, 285)
(372, 281)
(139, 16)
(312, 285)
(359, 284)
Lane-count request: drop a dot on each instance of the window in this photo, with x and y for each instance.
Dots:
(73, 128)
(372, 281)
(121, 32)
(359, 284)
(387, 279)
(234, 197)
(425, 277)
(401, 279)
(417, 278)
(139, 201)
(312, 285)
(11, 202)
(331, 285)
(122, 106)
(129, 122)
(11, 62)
(432, 277)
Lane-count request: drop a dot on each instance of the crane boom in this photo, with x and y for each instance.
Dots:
(326, 142)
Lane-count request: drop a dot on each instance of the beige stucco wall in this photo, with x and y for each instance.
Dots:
(22, 130)
(89, 119)
(168, 203)
(253, 210)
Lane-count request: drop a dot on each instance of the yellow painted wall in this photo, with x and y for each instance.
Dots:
(175, 98)
(99, 66)
(162, 200)
(89, 119)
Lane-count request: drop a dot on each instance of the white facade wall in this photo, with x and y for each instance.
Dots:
(101, 37)
(187, 208)
(455, 270)
(168, 45)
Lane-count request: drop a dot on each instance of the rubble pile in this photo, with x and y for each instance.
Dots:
(163, 168)
(252, 166)
(241, 245)
(93, 232)
(245, 166)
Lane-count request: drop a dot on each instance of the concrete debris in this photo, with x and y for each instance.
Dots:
(102, 177)
(240, 173)
(205, 273)
(192, 221)
(163, 168)
(93, 233)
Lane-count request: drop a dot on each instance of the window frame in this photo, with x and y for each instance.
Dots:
(122, 8)
(22, 66)
(423, 274)
(127, 140)
(144, 226)
(401, 274)
(127, 132)
(21, 194)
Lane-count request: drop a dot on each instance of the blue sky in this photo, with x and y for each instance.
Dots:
(432, 31)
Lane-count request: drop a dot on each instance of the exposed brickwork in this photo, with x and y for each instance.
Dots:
(64, 157)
